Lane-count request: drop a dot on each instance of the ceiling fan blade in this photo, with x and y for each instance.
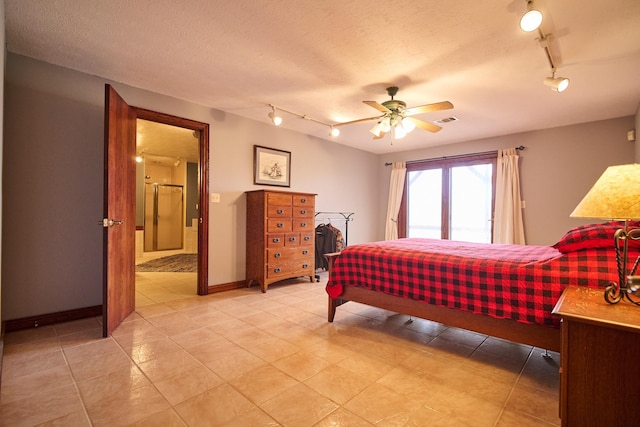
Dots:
(356, 121)
(377, 106)
(425, 125)
(438, 106)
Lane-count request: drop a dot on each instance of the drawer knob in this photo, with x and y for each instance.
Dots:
(292, 239)
(307, 238)
(305, 252)
(303, 211)
(280, 225)
(305, 265)
(303, 200)
(304, 224)
(276, 240)
(277, 255)
(277, 270)
(280, 211)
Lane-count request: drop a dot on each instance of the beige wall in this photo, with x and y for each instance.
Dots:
(557, 169)
(52, 240)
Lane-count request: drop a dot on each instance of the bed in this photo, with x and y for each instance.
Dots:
(506, 291)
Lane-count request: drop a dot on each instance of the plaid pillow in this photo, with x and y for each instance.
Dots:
(592, 236)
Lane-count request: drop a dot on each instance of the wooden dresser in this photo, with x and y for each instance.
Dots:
(600, 360)
(280, 236)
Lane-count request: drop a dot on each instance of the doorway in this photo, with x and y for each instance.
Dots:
(171, 185)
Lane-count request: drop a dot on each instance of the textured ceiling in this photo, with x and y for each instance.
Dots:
(164, 144)
(323, 58)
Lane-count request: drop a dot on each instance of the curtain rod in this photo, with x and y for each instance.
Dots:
(519, 148)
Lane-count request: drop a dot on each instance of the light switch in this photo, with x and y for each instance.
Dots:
(215, 197)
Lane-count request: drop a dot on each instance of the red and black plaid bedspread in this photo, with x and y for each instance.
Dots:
(521, 283)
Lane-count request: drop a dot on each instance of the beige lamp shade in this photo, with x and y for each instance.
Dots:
(615, 195)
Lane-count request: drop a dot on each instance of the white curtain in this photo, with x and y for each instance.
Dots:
(396, 186)
(507, 224)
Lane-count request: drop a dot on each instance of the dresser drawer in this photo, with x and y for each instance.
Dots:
(276, 225)
(279, 211)
(302, 224)
(283, 199)
(275, 240)
(303, 200)
(288, 254)
(307, 238)
(292, 239)
(290, 268)
(303, 212)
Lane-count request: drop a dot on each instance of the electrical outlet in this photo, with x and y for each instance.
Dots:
(215, 197)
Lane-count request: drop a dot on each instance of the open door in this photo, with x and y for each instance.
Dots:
(118, 299)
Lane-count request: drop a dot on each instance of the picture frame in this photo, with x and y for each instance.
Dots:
(271, 166)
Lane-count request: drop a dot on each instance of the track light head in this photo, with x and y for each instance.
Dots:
(559, 84)
(532, 19)
(277, 120)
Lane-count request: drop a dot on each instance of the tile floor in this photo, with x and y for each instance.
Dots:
(243, 358)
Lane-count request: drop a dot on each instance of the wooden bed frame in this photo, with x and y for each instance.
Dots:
(540, 336)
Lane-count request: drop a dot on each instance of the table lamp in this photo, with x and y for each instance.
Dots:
(616, 195)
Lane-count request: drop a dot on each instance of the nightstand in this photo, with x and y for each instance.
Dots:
(599, 360)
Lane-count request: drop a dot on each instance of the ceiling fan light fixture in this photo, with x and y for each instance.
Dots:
(385, 124)
(532, 19)
(375, 130)
(558, 84)
(399, 132)
(408, 125)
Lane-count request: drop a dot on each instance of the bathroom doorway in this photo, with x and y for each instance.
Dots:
(170, 181)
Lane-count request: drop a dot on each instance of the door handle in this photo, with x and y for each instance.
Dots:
(109, 222)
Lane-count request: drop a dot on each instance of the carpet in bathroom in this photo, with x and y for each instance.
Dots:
(179, 263)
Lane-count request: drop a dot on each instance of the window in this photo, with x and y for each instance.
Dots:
(449, 198)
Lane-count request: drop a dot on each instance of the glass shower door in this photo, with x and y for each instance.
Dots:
(163, 217)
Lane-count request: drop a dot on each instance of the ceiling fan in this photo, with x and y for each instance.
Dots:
(396, 116)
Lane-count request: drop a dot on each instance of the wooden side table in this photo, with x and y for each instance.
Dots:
(600, 360)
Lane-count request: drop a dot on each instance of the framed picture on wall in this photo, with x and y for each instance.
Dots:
(271, 166)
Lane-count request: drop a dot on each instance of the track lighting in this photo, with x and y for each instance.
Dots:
(333, 130)
(559, 84)
(532, 19)
(277, 120)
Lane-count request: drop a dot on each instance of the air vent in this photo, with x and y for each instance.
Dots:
(447, 120)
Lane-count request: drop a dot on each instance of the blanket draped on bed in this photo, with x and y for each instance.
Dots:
(517, 282)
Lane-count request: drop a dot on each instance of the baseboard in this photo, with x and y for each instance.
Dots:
(1, 350)
(52, 318)
(83, 313)
(226, 287)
